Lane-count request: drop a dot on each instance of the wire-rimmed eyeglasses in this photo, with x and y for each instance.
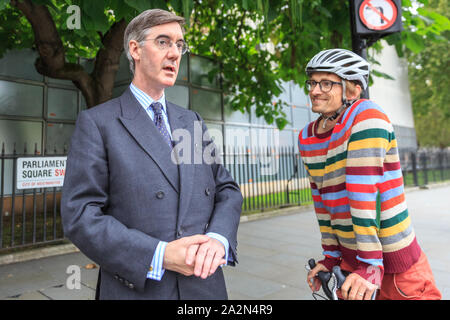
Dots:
(324, 85)
(164, 43)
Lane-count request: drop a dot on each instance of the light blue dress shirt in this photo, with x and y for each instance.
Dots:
(157, 270)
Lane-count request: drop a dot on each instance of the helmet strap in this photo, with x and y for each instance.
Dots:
(345, 103)
(333, 117)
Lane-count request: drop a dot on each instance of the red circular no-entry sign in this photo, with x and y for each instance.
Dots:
(378, 14)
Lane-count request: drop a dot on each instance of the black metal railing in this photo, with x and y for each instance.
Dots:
(27, 216)
(425, 166)
(269, 178)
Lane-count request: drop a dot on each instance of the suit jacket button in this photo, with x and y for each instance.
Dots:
(207, 191)
(180, 232)
(160, 194)
(131, 286)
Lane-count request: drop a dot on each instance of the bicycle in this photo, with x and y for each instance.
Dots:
(336, 278)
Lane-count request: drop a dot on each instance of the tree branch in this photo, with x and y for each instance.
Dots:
(51, 61)
(98, 86)
(108, 60)
(46, 37)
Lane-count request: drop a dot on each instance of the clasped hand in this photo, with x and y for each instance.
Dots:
(197, 255)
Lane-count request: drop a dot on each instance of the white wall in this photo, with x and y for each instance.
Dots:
(392, 96)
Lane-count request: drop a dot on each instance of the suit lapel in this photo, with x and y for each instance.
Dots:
(186, 170)
(140, 126)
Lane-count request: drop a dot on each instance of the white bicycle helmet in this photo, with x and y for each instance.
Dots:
(346, 64)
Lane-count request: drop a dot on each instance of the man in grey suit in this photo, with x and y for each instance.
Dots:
(159, 223)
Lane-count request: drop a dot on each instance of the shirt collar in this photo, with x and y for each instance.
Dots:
(145, 100)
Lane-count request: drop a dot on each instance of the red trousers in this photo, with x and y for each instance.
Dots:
(416, 283)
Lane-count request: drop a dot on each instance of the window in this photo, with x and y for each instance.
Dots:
(232, 115)
(300, 117)
(62, 104)
(20, 64)
(124, 72)
(58, 137)
(20, 99)
(283, 138)
(183, 70)
(178, 95)
(207, 103)
(200, 72)
(21, 132)
(299, 98)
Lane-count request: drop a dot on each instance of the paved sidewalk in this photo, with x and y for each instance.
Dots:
(272, 253)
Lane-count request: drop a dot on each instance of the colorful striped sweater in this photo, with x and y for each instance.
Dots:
(357, 188)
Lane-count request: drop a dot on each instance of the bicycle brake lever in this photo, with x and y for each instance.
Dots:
(311, 263)
(324, 278)
(339, 276)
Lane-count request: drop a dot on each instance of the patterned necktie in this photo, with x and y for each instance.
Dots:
(159, 122)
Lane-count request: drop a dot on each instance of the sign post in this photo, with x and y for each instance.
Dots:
(371, 20)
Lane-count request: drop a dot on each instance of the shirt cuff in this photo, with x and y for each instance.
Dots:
(156, 271)
(222, 240)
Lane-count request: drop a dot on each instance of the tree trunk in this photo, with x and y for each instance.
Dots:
(96, 87)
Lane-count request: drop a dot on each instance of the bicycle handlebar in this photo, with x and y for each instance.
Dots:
(325, 277)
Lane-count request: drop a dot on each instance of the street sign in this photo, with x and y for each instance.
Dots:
(40, 172)
(378, 14)
(375, 18)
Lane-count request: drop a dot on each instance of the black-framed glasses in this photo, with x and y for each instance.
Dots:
(324, 85)
(164, 43)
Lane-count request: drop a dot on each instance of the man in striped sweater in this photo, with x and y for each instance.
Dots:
(350, 153)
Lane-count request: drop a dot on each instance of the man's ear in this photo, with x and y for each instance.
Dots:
(134, 49)
(354, 94)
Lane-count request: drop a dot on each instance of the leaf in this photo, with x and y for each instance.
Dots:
(441, 22)
(406, 3)
(121, 10)
(139, 5)
(187, 9)
(93, 16)
(414, 42)
(268, 117)
(3, 4)
(245, 4)
(281, 123)
(90, 266)
(382, 75)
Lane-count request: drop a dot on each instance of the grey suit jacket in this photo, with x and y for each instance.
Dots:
(123, 193)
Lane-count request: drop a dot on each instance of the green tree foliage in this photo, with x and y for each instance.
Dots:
(429, 72)
(259, 43)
